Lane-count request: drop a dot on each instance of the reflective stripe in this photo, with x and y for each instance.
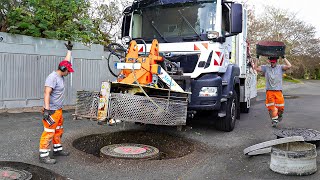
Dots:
(57, 149)
(44, 154)
(275, 118)
(279, 104)
(49, 130)
(59, 127)
(270, 104)
(56, 145)
(44, 150)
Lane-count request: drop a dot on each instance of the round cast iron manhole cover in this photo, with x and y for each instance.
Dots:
(8, 173)
(130, 151)
(307, 134)
(289, 97)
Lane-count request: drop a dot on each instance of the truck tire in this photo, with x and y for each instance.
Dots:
(244, 108)
(228, 122)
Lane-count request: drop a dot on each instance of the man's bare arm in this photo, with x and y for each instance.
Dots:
(255, 65)
(288, 64)
(47, 92)
(68, 56)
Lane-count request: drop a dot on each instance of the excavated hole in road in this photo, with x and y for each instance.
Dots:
(19, 170)
(170, 147)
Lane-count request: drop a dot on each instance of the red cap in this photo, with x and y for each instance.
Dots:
(67, 64)
(273, 60)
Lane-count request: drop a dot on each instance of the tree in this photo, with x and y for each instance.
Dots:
(109, 16)
(7, 6)
(54, 19)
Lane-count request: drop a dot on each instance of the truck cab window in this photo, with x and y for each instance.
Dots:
(126, 25)
(177, 22)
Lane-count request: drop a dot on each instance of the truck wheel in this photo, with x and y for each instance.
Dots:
(244, 108)
(228, 122)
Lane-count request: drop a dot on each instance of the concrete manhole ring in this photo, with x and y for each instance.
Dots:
(130, 151)
(8, 173)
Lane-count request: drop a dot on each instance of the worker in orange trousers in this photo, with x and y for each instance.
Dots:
(274, 97)
(54, 92)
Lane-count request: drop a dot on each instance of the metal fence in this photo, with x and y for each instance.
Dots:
(25, 62)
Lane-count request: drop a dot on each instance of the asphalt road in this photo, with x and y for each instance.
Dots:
(220, 156)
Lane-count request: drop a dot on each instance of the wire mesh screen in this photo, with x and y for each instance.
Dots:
(87, 104)
(134, 108)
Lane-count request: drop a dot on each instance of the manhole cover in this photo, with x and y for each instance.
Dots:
(22, 171)
(130, 151)
(309, 135)
(7, 173)
(289, 97)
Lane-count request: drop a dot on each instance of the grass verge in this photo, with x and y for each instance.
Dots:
(261, 82)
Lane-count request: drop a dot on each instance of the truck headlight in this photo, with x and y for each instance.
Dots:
(208, 91)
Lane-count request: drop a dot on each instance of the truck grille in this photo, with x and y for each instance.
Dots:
(187, 62)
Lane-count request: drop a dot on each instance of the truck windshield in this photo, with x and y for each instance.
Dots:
(174, 22)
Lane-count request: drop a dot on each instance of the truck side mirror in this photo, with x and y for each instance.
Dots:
(236, 18)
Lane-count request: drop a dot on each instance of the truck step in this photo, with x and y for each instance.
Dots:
(222, 114)
(224, 83)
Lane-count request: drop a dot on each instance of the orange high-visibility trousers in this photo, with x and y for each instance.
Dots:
(52, 134)
(274, 103)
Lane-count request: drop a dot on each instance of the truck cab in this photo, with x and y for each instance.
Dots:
(207, 41)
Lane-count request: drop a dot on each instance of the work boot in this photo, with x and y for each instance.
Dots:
(61, 153)
(47, 160)
(274, 122)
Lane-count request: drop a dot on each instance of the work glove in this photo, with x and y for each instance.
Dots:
(69, 45)
(47, 116)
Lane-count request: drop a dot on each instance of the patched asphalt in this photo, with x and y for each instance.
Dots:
(218, 156)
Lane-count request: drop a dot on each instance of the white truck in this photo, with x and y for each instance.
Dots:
(207, 40)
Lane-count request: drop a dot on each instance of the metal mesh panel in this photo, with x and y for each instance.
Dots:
(87, 104)
(136, 108)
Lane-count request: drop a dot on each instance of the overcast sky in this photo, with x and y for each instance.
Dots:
(307, 10)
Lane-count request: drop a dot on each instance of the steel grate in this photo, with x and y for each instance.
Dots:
(87, 104)
(134, 108)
